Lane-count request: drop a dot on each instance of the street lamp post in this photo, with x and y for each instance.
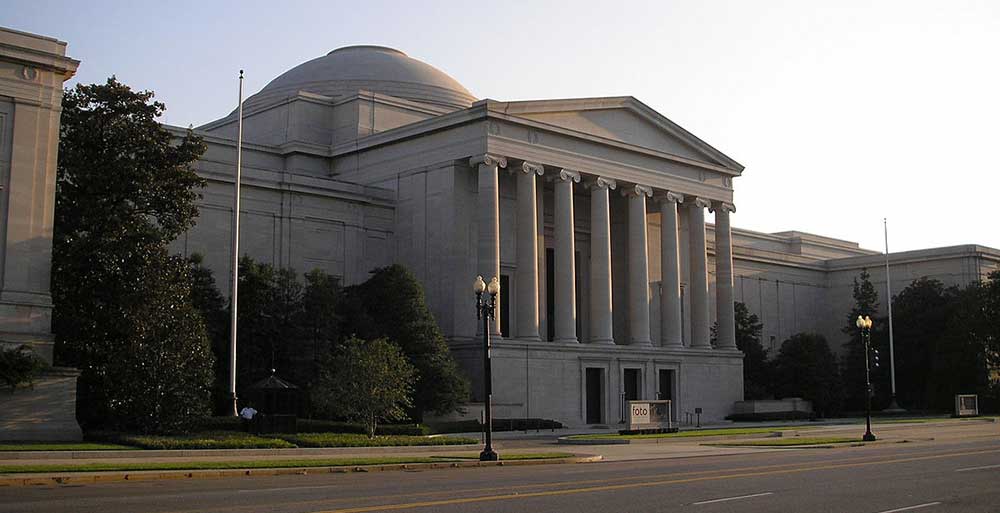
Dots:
(485, 311)
(865, 325)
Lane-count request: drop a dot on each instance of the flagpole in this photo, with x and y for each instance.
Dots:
(236, 252)
(893, 406)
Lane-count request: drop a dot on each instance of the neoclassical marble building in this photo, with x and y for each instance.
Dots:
(591, 211)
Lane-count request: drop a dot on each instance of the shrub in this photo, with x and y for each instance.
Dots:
(221, 440)
(361, 440)
(19, 366)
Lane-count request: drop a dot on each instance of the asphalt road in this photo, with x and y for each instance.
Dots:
(928, 477)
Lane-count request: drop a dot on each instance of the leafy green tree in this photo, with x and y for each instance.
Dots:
(366, 381)
(965, 361)
(19, 366)
(390, 304)
(866, 303)
(211, 304)
(805, 367)
(122, 305)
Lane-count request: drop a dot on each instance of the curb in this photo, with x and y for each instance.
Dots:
(155, 475)
(566, 440)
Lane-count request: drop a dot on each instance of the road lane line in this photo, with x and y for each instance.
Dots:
(727, 499)
(626, 486)
(909, 508)
(977, 468)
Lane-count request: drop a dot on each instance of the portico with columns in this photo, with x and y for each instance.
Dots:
(610, 285)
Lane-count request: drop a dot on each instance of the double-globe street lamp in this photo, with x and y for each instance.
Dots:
(486, 311)
(865, 325)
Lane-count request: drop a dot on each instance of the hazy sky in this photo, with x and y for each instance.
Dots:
(842, 112)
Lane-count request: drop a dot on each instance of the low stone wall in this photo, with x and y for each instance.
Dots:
(45, 411)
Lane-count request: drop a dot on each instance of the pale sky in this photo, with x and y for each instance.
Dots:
(843, 112)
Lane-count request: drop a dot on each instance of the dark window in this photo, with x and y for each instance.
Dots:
(504, 306)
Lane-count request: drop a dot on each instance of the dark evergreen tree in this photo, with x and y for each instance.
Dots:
(320, 325)
(805, 367)
(866, 303)
(122, 306)
(391, 305)
(756, 367)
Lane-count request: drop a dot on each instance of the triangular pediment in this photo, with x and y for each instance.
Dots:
(623, 119)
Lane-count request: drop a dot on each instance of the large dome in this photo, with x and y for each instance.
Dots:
(379, 69)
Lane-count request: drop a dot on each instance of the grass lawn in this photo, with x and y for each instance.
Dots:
(787, 442)
(687, 434)
(215, 465)
(219, 440)
(924, 420)
(355, 440)
(63, 446)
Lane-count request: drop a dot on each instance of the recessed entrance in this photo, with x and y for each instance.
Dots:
(595, 384)
(632, 384)
(666, 389)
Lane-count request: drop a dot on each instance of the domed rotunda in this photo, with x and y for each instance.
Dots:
(370, 68)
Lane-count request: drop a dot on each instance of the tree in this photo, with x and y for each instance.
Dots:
(210, 303)
(756, 368)
(805, 367)
(391, 305)
(366, 381)
(853, 372)
(269, 310)
(122, 305)
(319, 326)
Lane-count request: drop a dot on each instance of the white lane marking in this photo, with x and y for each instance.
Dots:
(977, 468)
(733, 498)
(908, 508)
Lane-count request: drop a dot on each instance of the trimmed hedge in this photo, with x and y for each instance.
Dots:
(218, 440)
(212, 424)
(770, 416)
(473, 426)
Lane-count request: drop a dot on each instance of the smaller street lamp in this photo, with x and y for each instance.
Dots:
(865, 325)
(485, 311)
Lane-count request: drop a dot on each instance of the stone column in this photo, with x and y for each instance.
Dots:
(488, 217)
(670, 270)
(600, 262)
(527, 252)
(700, 330)
(638, 265)
(724, 276)
(565, 258)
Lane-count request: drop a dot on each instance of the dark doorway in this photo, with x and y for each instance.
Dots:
(666, 390)
(504, 306)
(632, 384)
(550, 293)
(595, 382)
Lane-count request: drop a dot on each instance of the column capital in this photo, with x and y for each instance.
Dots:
(603, 183)
(670, 196)
(489, 159)
(722, 205)
(701, 203)
(567, 176)
(531, 168)
(638, 190)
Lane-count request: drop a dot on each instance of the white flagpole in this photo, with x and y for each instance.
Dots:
(888, 293)
(236, 253)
